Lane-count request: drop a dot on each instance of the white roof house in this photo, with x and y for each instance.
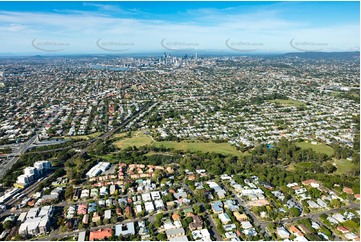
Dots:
(159, 204)
(81, 236)
(125, 229)
(33, 212)
(283, 233)
(107, 214)
(202, 234)
(138, 208)
(224, 218)
(155, 195)
(149, 207)
(146, 197)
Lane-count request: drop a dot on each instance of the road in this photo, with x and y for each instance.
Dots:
(260, 224)
(56, 235)
(7, 164)
(213, 227)
(26, 191)
(317, 214)
(27, 144)
(113, 131)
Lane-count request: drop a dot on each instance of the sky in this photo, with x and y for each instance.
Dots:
(142, 27)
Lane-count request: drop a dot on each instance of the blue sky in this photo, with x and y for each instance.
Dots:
(130, 27)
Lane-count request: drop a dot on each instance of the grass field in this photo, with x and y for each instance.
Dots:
(321, 148)
(138, 139)
(288, 102)
(343, 166)
(120, 135)
(221, 148)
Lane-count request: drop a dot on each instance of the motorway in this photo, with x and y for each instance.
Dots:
(7, 164)
(27, 144)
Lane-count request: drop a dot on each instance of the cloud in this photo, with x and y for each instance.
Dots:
(81, 29)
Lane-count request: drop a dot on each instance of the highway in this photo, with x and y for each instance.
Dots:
(7, 164)
(27, 144)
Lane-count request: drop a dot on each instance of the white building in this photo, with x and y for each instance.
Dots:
(98, 169)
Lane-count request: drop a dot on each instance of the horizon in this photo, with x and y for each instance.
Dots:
(178, 54)
(127, 28)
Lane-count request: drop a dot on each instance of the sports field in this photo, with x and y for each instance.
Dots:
(138, 140)
(343, 166)
(288, 102)
(321, 148)
(221, 148)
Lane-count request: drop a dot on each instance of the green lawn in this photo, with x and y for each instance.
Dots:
(120, 135)
(321, 148)
(221, 148)
(137, 141)
(288, 102)
(343, 166)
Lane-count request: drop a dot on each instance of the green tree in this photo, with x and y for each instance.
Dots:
(162, 237)
(196, 209)
(335, 203)
(8, 224)
(295, 212)
(329, 168)
(69, 192)
(199, 195)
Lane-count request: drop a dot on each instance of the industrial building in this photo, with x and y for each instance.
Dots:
(98, 169)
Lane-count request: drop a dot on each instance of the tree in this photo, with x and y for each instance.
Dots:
(162, 237)
(199, 195)
(157, 175)
(329, 168)
(157, 223)
(196, 209)
(69, 192)
(295, 212)
(335, 203)
(8, 224)
(159, 216)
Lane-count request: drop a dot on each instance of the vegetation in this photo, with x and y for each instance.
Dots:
(133, 141)
(343, 166)
(320, 148)
(220, 148)
(288, 102)
(58, 159)
(84, 137)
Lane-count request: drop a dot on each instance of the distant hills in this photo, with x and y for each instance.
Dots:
(201, 53)
(323, 55)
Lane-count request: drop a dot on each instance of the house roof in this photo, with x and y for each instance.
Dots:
(100, 234)
(347, 190)
(309, 182)
(175, 216)
(342, 229)
(293, 229)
